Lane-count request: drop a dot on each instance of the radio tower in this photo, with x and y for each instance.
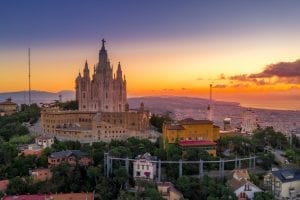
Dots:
(29, 75)
(209, 107)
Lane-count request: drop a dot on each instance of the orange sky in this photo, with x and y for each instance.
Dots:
(154, 67)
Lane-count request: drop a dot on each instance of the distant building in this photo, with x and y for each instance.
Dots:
(67, 196)
(40, 174)
(191, 133)
(8, 107)
(283, 183)
(144, 168)
(243, 188)
(105, 91)
(33, 150)
(168, 191)
(72, 157)
(227, 124)
(103, 113)
(44, 141)
(249, 121)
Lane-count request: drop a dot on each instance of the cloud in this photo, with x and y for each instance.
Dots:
(242, 77)
(282, 72)
(294, 88)
(281, 69)
(240, 85)
(220, 86)
(199, 79)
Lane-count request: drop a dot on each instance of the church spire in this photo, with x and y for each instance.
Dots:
(103, 58)
(119, 71)
(86, 71)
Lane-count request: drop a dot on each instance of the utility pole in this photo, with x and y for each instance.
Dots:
(29, 76)
(209, 107)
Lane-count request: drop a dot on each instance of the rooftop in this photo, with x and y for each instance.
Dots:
(4, 184)
(235, 184)
(7, 102)
(68, 196)
(67, 153)
(44, 137)
(240, 174)
(287, 175)
(146, 156)
(189, 121)
(175, 127)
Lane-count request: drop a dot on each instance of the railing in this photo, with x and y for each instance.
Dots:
(108, 163)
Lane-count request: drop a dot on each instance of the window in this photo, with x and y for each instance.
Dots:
(138, 173)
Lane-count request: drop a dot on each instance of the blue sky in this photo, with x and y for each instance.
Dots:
(47, 22)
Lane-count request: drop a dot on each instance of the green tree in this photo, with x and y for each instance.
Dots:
(105, 189)
(62, 177)
(158, 121)
(263, 196)
(93, 174)
(120, 177)
(69, 105)
(17, 185)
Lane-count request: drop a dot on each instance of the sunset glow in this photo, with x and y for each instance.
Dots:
(169, 61)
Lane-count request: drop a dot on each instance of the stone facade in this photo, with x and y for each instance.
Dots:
(106, 91)
(8, 107)
(87, 126)
(103, 113)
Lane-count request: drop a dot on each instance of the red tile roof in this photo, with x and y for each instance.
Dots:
(68, 196)
(26, 197)
(4, 185)
(194, 143)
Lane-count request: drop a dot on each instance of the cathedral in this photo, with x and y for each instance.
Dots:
(103, 113)
(106, 91)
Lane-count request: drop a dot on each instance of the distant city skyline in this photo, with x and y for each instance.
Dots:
(247, 49)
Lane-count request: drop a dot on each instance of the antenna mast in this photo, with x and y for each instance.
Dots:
(209, 108)
(29, 75)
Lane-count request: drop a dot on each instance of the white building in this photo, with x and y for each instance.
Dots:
(249, 121)
(44, 141)
(242, 186)
(284, 183)
(144, 167)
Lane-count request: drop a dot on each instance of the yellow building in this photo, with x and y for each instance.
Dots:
(190, 133)
(8, 107)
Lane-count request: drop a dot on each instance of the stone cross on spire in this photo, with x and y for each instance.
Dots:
(103, 41)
